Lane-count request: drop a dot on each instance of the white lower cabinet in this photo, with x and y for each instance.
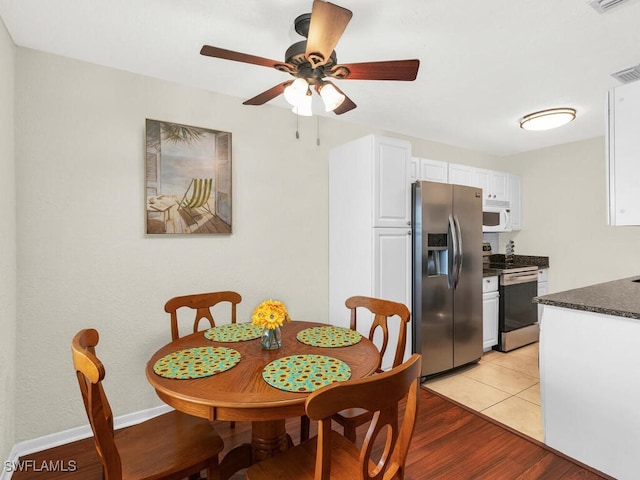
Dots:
(543, 275)
(490, 304)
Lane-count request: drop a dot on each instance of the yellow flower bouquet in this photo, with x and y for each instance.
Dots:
(270, 314)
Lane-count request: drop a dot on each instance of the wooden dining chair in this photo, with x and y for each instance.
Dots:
(170, 446)
(202, 303)
(330, 455)
(382, 310)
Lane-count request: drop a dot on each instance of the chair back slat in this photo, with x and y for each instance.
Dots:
(382, 311)
(90, 373)
(401, 382)
(202, 303)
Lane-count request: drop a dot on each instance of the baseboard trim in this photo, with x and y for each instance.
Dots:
(67, 436)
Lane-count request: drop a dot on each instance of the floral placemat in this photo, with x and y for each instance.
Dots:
(328, 336)
(305, 373)
(196, 362)
(233, 332)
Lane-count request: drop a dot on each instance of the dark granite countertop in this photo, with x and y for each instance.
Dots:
(521, 260)
(518, 261)
(620, 298)
(491, 272)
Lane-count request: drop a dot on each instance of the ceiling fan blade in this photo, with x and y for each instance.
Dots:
(328, 22)
(267, 95)
(216, 52)
(406, 70)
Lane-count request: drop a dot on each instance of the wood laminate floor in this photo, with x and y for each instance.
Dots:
(450, 442)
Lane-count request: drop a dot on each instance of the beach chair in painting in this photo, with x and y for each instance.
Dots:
(200, 194)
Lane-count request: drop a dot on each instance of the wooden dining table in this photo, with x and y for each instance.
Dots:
(241, 393)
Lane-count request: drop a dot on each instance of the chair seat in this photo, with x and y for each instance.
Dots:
(162, 446)
(299, 463)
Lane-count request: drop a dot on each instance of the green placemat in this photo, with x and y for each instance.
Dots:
(233, 332)
(305, 373)
(196, 362)
(328, 336)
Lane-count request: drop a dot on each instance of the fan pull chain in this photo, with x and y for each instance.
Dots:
(318, 131)
(297, 124)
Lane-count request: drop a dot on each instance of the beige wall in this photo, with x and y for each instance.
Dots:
(565, 217)
(7, 245)
(85, 260)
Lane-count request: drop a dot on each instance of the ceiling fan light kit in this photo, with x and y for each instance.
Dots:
(303, 107)
(331, 97)
(312, 60)
(548, 119)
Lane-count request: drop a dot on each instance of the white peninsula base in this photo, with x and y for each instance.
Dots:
(590, 388)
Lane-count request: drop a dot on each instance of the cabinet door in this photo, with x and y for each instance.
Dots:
(392, 277)
(515, 197)
(489, 320)
(482, 179)
(624, 155)
(414, 172)
(392, 183)
(462, 175)
(499, 185)
(542, 288)
(434, 170)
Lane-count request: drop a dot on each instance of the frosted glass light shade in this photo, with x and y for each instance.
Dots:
(331, 97)
(547, 119)
(303, 107)
(295, 93)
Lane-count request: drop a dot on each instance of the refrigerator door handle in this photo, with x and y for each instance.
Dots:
(453, 254)
(460, 257)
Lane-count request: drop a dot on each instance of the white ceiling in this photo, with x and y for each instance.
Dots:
(484, 64)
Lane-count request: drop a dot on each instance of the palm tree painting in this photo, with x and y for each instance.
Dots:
(188, 179)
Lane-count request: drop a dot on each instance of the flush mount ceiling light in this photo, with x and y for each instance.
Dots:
(547, 119)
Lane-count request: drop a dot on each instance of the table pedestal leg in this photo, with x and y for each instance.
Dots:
(268, 439)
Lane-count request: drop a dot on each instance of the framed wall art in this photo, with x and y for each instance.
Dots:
(188, 179)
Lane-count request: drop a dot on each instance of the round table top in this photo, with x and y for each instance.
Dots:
(241, 393)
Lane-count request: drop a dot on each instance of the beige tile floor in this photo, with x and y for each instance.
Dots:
(503, 386)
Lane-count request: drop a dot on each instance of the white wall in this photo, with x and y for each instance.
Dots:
(564, 211)
(7, 244)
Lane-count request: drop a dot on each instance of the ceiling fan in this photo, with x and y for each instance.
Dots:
(312, 60)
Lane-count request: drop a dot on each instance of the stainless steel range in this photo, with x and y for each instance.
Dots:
(517, 314)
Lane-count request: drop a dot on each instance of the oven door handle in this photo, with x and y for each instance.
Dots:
(516, 279)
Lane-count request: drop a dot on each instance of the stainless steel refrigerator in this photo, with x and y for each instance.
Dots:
(447, 275)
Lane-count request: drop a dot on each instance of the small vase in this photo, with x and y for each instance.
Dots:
(271, 338)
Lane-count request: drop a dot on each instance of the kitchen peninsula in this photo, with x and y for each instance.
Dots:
(589, 364)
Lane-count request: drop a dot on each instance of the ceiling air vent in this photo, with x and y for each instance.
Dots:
(628, 75)
(605, 5)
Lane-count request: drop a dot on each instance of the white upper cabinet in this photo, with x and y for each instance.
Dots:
(428, 170)
(623, 166)
(494, 184)
(462, 175)
(499, 186)
(392, 182)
